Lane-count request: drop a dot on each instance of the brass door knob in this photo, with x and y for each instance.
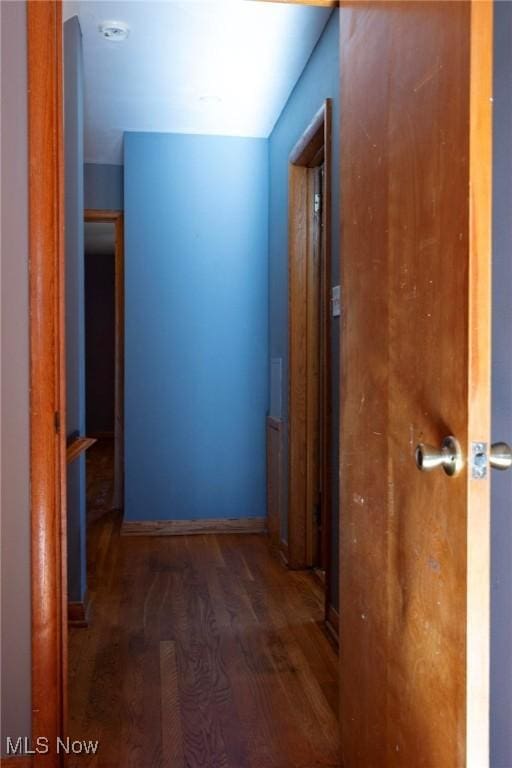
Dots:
(449, 456)
(501, 456)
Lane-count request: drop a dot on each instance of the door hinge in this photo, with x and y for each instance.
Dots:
(318, 202)
(56, 421)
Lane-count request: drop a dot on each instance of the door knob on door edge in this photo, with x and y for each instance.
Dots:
(448, 456)
(501, 456)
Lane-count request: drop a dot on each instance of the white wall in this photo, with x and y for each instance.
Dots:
(15, 521)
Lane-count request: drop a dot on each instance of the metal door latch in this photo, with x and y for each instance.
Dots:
(479, 461)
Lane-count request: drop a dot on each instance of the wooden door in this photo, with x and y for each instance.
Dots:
(415, 255)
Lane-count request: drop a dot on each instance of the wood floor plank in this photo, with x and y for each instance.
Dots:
(203, 681)
(132, 655)
(202, 652)
(172, 736)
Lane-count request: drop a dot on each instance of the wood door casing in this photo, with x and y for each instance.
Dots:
(305, 388)
(47, 375)
(414, 558)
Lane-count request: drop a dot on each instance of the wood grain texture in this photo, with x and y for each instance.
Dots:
(297, 408)
(274, 479)
(479, 380)
(201, 651)
(78, 446)
(172, 736)
(47, 374)
(309, 150)
(309, 286)
(328, 468)
(22, 761)
(405, 572)
(191, 527)
(117, 218)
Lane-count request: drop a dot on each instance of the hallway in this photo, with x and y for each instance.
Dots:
(201, 651)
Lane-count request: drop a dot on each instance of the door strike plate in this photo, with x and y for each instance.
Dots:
(479, 461)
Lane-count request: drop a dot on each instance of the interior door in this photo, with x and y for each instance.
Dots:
(415, 256)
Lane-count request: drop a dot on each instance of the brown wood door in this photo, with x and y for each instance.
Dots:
(415, 256)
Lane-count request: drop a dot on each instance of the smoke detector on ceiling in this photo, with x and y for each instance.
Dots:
(115, 31)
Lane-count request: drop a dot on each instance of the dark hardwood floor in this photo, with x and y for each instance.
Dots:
(202, 652)
(100, 478)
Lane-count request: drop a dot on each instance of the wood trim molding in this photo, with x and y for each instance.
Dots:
(78, 612)
(306, 151)
(100, 214)
(478, 387)
(77, 446)
(191, 527)
(117, 218)
(47, 374)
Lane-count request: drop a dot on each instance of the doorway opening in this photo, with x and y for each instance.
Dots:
(185, 624)
(309, 509)
(95, 451)
(104, 320)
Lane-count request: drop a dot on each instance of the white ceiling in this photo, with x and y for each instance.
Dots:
(219, 67)
(100, 238)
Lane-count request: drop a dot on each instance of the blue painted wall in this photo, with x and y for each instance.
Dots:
(501, 482)
(196, 357)
(103, 186)
(320, 80)
(75, 327)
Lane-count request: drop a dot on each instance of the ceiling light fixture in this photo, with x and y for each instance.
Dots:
(115, 31)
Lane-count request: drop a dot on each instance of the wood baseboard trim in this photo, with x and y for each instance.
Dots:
(20, 761)
(332, 622)
(193, 527)
(78, 613)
